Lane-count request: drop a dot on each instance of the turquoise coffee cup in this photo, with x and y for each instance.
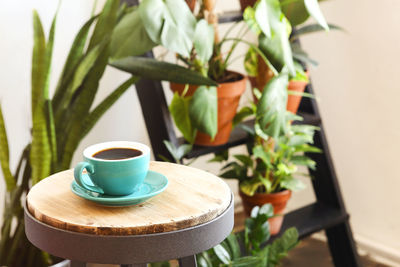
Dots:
(114, 177)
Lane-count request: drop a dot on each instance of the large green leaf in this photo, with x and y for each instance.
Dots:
(234, 246)
(280, 247)
(271, 108)
(48, 57)
(83, 100)
(204, 40)
(158, 70)
(130, 37)
(105, 24)
(177, 152)
(81, 72)
(295, 11)
(40, 154)
(203, 110)
(268, 16)
(179, 109)
(277, 49)
(38, 76)
(51, 128)
(313, 9)
(169, 23)
(75, 55)
(4, 155)
(222, 254)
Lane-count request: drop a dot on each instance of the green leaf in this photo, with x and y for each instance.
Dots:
(262, 17)
(51, 129)
(222, 254)
(260, 153)
(277, 49)
(313, 9)
(75, 54)
(169, 23)
(130, 37)
(105, 24)
(271, 108)
(280, 247)
(242, 114)
(4, 155)
(268, 16)
(247, 261)
(300, 55)
(313, 28)
(204, 40)
(233, 245)
(158, 70)
(81, 73)
(48, 56)
(292, 184)
(203, 110)
(295, 11)
(71, 124)
(267, 209)
(246, 160)
(177, 152)
(251, 62)
(249, 187)
(179, 109)
(40, 154)
(38, 77)
(249, 16)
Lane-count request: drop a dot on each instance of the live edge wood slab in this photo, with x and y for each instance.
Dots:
(193, 197)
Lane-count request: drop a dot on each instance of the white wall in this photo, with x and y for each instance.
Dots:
(356, 82)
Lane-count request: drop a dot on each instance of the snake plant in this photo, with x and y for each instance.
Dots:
(61, 121)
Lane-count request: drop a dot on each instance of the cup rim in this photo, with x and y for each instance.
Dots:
(90, 150)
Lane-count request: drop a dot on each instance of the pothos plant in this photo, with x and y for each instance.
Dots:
(296, 13)
(276, 149)
(197, 44)
(60, 121)
(249, 248)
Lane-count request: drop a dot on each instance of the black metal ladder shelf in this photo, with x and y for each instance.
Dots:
(327, 213)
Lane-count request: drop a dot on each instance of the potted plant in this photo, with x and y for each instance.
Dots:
(295, 13)
(202, 113)
(266, 174)
(249, 248)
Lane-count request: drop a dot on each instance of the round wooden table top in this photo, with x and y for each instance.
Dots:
(192, 197)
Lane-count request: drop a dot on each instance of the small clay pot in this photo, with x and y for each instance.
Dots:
(293, 101)
(265, 75)
(229, 94)
(246, 3)
(277, 200)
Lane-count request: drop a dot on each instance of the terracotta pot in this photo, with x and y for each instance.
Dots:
(265, 75)
(191, 4)
(229, 94)
(246, 3)
(293, 101)
(277, 200)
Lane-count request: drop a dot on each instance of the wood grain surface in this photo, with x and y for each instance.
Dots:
(192, 197)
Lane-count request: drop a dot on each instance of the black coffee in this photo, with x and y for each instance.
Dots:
(117, 153)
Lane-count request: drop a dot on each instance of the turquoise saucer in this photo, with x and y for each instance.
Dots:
(153, 184)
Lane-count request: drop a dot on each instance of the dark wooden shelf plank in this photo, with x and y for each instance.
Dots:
(240, 137)
(230, 16)
(313, 218)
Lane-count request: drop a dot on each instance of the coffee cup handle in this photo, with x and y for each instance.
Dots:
(79, 179)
